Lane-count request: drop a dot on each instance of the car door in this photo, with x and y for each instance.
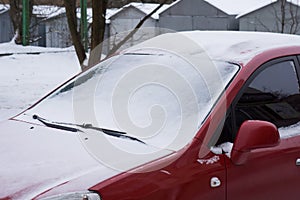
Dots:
(271, 94)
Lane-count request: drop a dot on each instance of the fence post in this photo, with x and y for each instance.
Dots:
(83, 24)
(25, 22)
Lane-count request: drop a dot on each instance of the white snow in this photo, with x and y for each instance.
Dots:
(209, 161)
(4, 8)
(290, 131)
(238, 46)
(146, 8)
(12, 48)
(47, 11)
(25, 78)
(154, 95)
(236, 7)
(225, 147)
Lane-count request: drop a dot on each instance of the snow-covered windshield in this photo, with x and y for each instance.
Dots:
(153, 95)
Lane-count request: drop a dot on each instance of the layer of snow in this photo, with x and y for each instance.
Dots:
(232, 7)
(209, 161)
(223, 148)
(290, 131)
(165, 109)
(12, 48)
(36, 159)
(47, 11)
(146, 8)
(236, 7)
(25, 78)
(4, 8)
(237, 46)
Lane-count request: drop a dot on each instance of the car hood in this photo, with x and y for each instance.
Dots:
(36, 159)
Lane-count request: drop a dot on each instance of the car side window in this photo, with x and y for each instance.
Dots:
(273, 95)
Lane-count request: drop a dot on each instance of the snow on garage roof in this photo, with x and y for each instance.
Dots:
(146, 8)
(4, 8)
(47, 11)
(233, 7)
(232, 46)
(236, 7)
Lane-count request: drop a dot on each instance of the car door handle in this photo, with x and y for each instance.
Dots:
(298, 162)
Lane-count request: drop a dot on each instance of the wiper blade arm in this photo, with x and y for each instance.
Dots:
(55, 125)
(63, 126)
(111, 132)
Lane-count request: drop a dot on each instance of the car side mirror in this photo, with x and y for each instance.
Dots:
(253, 134)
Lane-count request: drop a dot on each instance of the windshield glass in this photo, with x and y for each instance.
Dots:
(153, 95)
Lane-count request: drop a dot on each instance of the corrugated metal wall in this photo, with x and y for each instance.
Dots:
(6, 27)
(196, 15)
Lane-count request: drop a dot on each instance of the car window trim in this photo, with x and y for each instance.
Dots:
(295, 59)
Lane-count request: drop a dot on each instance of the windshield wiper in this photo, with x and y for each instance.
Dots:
(65, 126)
(56, 125)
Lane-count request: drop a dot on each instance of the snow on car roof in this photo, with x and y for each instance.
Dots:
(232, 46)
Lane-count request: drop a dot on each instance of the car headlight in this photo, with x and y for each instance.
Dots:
(85, 195)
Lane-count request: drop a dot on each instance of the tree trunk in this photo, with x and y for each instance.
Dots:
(70, 6)
(98, 30)
(15, 13)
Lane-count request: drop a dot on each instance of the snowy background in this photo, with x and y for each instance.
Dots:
(29, 73)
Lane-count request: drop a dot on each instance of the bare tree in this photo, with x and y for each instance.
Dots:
(15, 13)
(139, 25)
(70, 6)
(98, 29)
(285, 18)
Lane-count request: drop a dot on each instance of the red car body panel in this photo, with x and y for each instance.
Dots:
(252, 180)
(193, 182)
(187, 178)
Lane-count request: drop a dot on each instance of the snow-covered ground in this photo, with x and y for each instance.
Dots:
(27, 76)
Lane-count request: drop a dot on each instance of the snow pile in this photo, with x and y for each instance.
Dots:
(25, 78)
(12, 48)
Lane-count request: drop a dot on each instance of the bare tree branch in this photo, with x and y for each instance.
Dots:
(70, 6)
(286, 17)
(122, 42)
(262, 24)
(283, 4)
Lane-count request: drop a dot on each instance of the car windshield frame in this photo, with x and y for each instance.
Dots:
(105, 67)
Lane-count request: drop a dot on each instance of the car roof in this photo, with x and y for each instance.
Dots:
(231, 46)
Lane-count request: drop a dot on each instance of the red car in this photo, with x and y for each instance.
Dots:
(191, 115)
